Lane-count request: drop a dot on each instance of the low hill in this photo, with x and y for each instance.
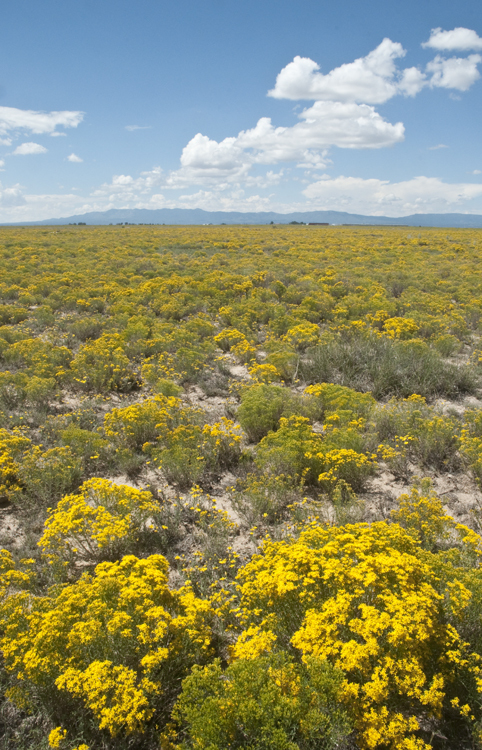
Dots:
(198, 216)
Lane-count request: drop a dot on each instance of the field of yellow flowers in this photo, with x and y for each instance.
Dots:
(240, 488)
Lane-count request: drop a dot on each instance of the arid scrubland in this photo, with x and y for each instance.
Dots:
(240, 474)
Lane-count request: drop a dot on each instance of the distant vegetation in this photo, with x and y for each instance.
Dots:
(240, 471)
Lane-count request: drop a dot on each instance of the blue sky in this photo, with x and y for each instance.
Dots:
(373, 108)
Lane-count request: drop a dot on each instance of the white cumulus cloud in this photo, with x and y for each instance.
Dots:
(29, 148)
(325, 124)
(456, 39)
(454, 72)
(74, 158)
(381, 197)
(36, 122)
(373, 79)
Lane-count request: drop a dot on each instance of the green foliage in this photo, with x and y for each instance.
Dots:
(47, 475)
(471, 442)
(264, 500)
(386, 367)
(268, 703)
(329, 398)
(422, 432)
(261, 408)
(292, 451)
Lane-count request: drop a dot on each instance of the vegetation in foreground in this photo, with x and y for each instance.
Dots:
(240, 474)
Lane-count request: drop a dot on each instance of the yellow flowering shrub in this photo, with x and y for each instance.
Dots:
(296, 451)
(367, 599)
(400, 328)
(12, 446)
(39, 357)
(103, 520)
(347, 465)
(244, 352)
(264, 373)
(422, 514)
(302, 336)
(116, 643)
(143, 422)
(57, 737)
(221, 443)
(228, 338)
(189, 453)
(102, 365)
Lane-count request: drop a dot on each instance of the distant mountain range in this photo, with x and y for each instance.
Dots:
(199, 216)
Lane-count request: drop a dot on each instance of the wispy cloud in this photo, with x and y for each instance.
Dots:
(26, 149)
(36, 122)
(379, 197)
(74, 158)
(130, 128)
(437, 147)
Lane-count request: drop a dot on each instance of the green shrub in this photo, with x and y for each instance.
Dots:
(292, 451)
(92, 448)
(431, 438)
(268, 703)
(86, 328)
(261, 408)
(386, 367)
(330, 398)
(264, 500)
(46, 476)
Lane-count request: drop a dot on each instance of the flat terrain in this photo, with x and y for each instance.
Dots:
(190, 392)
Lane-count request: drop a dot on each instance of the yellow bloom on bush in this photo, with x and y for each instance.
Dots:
(400, 328)
(57, 736)
(264, 373)
(12, 446)
(116, 640)
(228, 338)
(103, 518)
(303, 335)
(367, 599)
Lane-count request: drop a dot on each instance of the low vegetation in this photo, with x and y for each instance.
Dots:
(240, 488)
